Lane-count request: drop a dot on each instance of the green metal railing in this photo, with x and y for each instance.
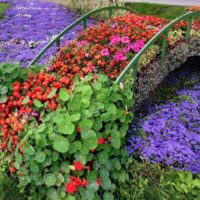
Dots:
(133, 64)
(83, 19)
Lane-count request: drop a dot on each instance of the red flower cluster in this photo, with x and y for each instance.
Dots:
(76, 182)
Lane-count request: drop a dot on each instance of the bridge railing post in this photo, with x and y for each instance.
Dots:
(84, 23)
(58, 44)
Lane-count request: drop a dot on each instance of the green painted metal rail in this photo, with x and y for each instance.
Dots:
(133, 64)
(83, 19)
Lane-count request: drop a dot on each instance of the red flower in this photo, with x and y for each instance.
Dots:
(101, 141)
(78, 165)
(84, 183)
(99, 182)
(70, 188)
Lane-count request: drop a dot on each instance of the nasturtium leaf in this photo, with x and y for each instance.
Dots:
(3, 89)
(70, 198)
(93, 186)
(3, 98)
(117, 165)
(52, 93)
(34, 168)
(75, 117)
(28, 149)
(102, 78)
(52, 194)
(108, 196)
(37, 103)
(111, 108)
(98, 124)
(102, 157)
(54, 156)
(40, 157)
(106, 117)
(87, 195)
(49, 179)
(106, 184)
(59, 179)
(86, 124)
(66, 127)
(85, 103)
(26, 100)
(63, 95)
(97, 85)
(115, 139)
(61, 144)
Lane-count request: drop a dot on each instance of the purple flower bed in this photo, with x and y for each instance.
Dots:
(29, 25)
(170, 133)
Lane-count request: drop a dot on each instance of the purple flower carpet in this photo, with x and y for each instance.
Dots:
(29, 25)
(170, 131)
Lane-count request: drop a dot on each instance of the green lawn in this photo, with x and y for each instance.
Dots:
(161, 10)
(3, 8)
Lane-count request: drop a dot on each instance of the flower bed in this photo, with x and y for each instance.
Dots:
(44, 19)
(169, 134)
(63, 127)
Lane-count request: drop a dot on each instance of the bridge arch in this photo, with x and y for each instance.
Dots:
(183, 54)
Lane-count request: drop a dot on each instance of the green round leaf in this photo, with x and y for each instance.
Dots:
(52, 194)
(103, 157)
(40, 157)
(63, 95)
(49, 179)
(108, 196)
(34, 167)
(66, 127)
(61, 144)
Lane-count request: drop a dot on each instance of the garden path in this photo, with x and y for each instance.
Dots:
(29, 25)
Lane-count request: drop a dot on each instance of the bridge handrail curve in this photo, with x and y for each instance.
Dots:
(77, 22)
(165, 30)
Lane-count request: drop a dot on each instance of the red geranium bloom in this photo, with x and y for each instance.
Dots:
(99, 182)
(70, 188)
(101, 141)
(78, 165)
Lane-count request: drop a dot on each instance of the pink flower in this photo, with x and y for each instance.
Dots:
(82, 43)
(119, 57)
(91, 68)
(105, 52)
(114, 25)
(138, 45)
(114, 39)
(125, 40)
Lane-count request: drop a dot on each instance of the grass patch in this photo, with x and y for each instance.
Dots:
(3, 8)
(161, 10)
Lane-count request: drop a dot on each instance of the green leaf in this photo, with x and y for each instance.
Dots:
(3, 98)
(65, 127)
(3, 89)
(63, 95)
(103, 157)
(52, 194)
(49, 179)
(28, 149)
(86, 124)
(37, 103)
(75, 117)
(40, 157)
(93, 186)
(115, 139)
(61, 144)
(98, 124)
(70, 198)
(108, 196)
(52, 93)
(59, 179)
(34, 167)
(26, 100)
(117, 165)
